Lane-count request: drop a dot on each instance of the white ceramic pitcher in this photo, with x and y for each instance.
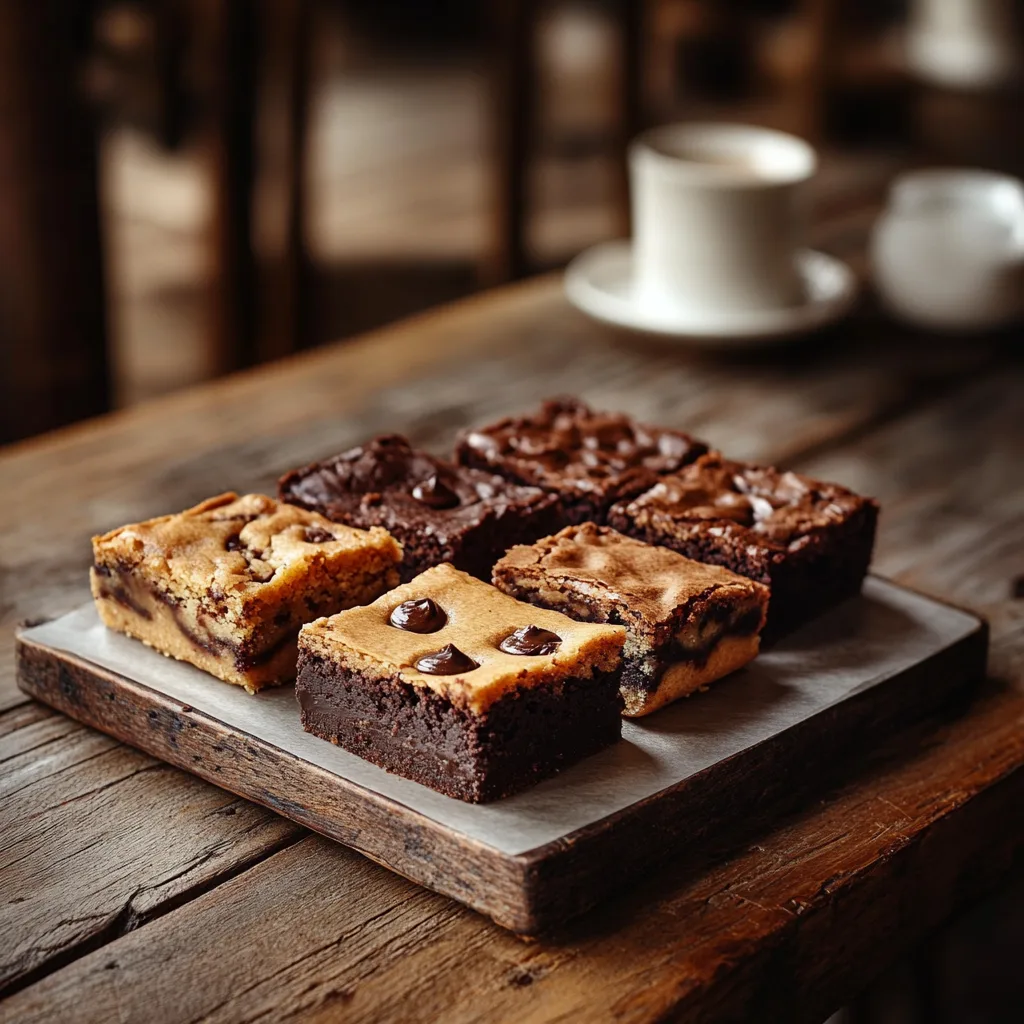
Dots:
(949, 250)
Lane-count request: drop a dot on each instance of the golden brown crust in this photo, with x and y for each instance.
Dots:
(163, 634)
(227, 584)
(479, 617)
(193, 549)
(645, 581)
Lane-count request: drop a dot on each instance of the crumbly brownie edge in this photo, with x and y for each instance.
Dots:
(521, 524)
(828, 570)
(523, 737)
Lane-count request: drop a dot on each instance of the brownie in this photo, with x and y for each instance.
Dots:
(809, 541)
(451, 683)
(590, 459)
(227, 584)
(687, 623)
(439, 512)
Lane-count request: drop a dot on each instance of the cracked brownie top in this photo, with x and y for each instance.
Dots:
(389, 483)
(759, 503)
(568, 447)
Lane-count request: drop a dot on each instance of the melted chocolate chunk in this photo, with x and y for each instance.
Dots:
(418, 616)
(437, 511)
(434, 493)
(233, 543)
(123, 596)
(531, 640)
(449, 661)
(317, 535)
(747, 623)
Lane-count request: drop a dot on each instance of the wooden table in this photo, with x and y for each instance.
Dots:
(132, 891)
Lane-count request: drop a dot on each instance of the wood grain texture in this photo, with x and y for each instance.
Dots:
(950, 479)
(925, 428)
(63, 791)
(781, 930)
(541, 890)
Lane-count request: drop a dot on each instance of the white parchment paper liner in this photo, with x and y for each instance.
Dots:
(853, 647)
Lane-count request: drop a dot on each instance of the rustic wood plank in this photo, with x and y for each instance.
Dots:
(100, 838)
(952, 492)
(760, 933)
(799, 919)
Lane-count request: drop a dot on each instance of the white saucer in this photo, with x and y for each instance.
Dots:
(600, 282)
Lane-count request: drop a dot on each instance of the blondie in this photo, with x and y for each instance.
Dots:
(227, 584)
(687, 623)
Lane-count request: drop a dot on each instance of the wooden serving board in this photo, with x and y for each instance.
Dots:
(677, 780)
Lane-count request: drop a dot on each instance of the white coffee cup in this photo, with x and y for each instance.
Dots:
(718, 217)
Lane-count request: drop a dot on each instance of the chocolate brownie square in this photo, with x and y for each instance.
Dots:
(451, 683)
(439, 512)
(687, 623)
(590, 459)
(809, 541)
(227, 584)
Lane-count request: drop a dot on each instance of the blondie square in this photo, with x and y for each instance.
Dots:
(439, 512)
(227, 584)
(451, 683)
(589, 459)
(809, 541)
(687, 623)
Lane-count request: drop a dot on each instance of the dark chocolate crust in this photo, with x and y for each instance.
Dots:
(467, 517)
(809, 541)
(522, 738)
(590, 459)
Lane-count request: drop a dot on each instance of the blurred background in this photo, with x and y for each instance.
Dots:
(192, 187)
(195, 186)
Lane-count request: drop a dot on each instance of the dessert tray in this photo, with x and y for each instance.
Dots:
(673, 783)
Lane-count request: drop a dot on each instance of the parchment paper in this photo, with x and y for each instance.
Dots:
(851, 648)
